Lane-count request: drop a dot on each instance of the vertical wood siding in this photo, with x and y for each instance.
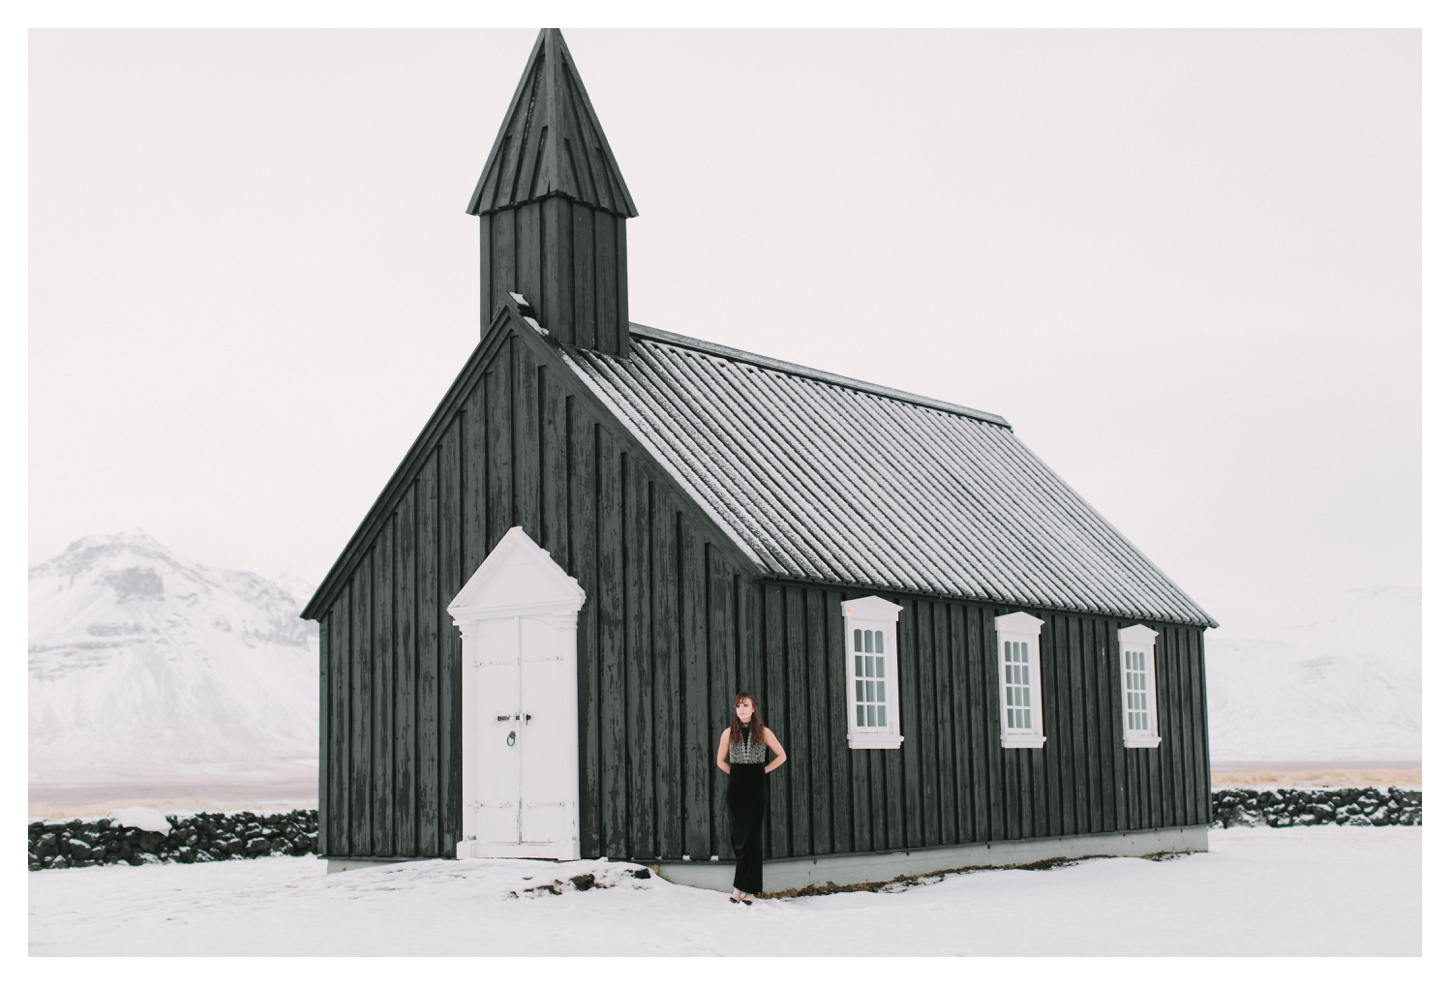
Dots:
(568, 260)
(671, 630)
(657, 636)
(958, 784)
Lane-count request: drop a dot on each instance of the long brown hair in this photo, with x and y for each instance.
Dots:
(757, 727)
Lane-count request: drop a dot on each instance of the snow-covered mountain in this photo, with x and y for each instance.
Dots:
(142, 662)
(1342, 688)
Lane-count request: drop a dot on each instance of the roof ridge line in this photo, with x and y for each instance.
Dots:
(821, 375)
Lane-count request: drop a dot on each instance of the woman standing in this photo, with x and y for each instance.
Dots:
(742, 755)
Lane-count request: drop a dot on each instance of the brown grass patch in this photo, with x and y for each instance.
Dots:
(1350, 777)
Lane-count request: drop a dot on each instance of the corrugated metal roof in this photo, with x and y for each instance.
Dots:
(823, 478)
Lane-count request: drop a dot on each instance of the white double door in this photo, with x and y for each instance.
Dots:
(521, 736)
(519, 617)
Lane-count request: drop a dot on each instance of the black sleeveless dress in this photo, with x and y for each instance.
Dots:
(745, 798)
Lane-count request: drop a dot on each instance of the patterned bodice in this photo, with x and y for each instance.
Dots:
(746, 752)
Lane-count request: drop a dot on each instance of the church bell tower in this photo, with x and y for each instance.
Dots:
(551, 205)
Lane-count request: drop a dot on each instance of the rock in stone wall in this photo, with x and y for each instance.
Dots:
(1348, 805)
(199, 838)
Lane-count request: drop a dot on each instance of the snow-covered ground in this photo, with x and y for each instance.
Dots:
(1258, 891)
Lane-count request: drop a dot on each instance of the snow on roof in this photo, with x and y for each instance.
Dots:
(824, 478)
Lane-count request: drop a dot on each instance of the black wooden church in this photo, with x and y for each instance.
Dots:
(530, 645)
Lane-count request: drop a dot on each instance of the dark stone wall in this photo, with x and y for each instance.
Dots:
(200, 838)
(1358, 806)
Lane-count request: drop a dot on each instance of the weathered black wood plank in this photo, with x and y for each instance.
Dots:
(721, 639)
(931, 723)
(384, 686)
(430, 793)
(450, 643)
(1182, 796)
(527, 456)
(665, 623)
(701, 731)
(774, 709)
(621, 290)
(1052, 708)
(499, 404)
(612, 708)
(474, 431)
(1115, 716)
(639, 686)
(341, 613)
(893, 763)
(881, 810)
(530, 252)
(1079, 644)
(1157, 817)
(815, 653)
(486, 303)
(406, 700)
(798, 722)
(943, 725)
(606, 285)
(1092, 720)
(556, 307)
(362, 719)
(983, 643)
(585, 316)
(1201, 777)
(977, 733)
(961, 738)
(1109, 729)
(844, 832)
(554, 477)
(324, 719)
(584, 554)
(914, 761)
(505, 254)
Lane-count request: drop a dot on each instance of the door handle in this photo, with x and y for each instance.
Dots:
(503, 718)
(510, 739)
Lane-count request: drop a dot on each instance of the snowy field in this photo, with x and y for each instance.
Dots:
(1258, 891)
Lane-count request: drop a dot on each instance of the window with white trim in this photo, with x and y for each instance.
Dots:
(1139, 685)
(1019, 677)
(872, 719)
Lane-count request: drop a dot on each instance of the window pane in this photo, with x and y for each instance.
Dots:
(860, 691)
(871, 716)
(1027, 719)
(858, 639)
(880, 666)
(880, 641)
(860, 716)
(881, 715)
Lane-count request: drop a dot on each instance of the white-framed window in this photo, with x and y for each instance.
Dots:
(1019, 677)
(872, 717)
(1140, 687)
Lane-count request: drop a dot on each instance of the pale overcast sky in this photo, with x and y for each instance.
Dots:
(1184, 264)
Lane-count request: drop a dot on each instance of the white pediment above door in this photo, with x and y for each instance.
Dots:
(518, 577)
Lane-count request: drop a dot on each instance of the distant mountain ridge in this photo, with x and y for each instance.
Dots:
(142, 661)
(1343, 688)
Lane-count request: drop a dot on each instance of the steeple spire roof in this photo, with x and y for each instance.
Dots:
(551, 142)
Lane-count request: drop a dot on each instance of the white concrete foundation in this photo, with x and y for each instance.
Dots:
(781, 875)
(344, 864)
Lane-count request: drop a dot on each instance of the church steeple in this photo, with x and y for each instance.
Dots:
(552, 206)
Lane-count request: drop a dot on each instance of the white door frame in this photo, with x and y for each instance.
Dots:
(519, 578)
